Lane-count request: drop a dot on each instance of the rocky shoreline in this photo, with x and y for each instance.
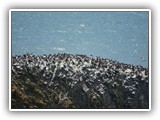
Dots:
(66, 81)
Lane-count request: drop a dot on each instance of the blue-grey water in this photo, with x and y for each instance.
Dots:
(121, 36)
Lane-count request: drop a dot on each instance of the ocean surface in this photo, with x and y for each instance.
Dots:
(121, 36)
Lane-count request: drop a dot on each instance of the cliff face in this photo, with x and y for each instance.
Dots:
(77, 81)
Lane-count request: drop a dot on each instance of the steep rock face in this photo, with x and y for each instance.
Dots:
(77, 81)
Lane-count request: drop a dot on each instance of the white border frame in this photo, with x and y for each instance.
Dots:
(79, 10)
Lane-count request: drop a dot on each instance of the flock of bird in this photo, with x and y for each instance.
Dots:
(94, 73)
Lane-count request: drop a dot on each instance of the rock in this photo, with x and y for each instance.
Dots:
(77, 81)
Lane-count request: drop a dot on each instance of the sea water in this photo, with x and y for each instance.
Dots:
(121, 36)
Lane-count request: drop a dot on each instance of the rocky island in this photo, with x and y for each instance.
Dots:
(66, 81)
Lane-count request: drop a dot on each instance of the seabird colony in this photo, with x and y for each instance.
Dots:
(90, 82)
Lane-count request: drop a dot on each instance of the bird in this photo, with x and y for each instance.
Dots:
(142, 59)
